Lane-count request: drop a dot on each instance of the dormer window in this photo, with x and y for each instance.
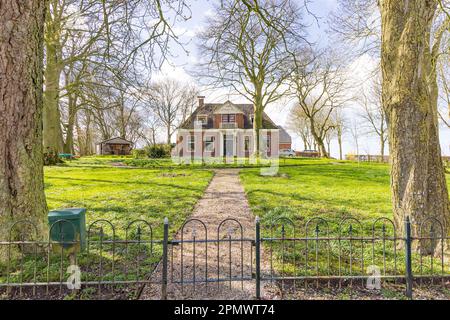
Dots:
(203, 119)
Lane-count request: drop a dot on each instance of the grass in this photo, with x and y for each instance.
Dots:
(121, 190)
(119, 195)
(123, 194)
(325, 188)
(332, 190)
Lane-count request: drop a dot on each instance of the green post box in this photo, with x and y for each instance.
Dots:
(68, 225)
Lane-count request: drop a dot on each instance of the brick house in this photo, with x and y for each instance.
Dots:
(226, 130)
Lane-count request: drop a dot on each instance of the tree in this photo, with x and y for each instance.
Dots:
(241, 50)
(355, 131)
(340, 126)
(373, 113)
(410, 42)
(21, 162)
(408, 60)
(319, 88)
(299, 123)
(444, 82)
(86, 35)
(171, 101)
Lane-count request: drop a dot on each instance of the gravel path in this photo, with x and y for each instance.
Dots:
(223, 199)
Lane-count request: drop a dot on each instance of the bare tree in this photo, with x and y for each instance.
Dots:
(355, 132)
(444, 91)
(240, 50)
(127, 34)
(373, 114)
(340, 126)
(410, 98)
(319, 90)
(171, 101)
(21, 167)
(299, 123)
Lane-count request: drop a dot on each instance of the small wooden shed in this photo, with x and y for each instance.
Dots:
(115, 146)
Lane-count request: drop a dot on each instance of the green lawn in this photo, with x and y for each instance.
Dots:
(124, 194)
(329, 189)
(325, 188)
(120, 195)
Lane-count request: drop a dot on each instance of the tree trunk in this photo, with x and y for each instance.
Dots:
(319, 141)
(21, 160)
(53, 140)
(339, 138)
(68, 144)
(257, 126)
(417, 174)
(382, 142)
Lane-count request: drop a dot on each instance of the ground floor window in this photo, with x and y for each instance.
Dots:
(268, 142)
(246, 143)
(209, 144)
(191, 143)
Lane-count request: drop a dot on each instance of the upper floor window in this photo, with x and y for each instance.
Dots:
(228, 118)
(252, 118)
(203, 119)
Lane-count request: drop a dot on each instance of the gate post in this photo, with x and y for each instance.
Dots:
(258, 257)
(408, 265)
(165, 259)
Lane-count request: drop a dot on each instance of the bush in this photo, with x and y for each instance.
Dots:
(158, 151)
(51, 159)
(139, 153)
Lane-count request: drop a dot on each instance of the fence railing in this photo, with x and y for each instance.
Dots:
(118, 263)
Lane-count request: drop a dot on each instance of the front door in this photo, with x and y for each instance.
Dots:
(228, 145)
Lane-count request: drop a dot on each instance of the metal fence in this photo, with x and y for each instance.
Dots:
(118, 263)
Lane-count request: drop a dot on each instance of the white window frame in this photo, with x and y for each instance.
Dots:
(209, 143)
(191, 143)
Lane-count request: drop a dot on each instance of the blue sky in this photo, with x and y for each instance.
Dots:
(179, 65)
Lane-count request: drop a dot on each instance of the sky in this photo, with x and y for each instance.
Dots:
(183, 61)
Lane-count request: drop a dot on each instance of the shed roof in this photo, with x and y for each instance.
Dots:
(116, 140)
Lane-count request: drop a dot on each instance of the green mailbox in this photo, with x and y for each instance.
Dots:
(68, 225)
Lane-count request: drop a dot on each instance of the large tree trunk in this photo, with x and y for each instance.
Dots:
(417, 174)
(21, 160)
(52, 132)
(53, 141)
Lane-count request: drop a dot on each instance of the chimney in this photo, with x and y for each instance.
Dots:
(201, 101)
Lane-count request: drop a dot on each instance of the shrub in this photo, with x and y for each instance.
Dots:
(51, 159)
(159, 151)
(139, 153)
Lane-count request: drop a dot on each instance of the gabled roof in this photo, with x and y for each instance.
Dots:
(210, 109)
(285, 137)
(116, 140)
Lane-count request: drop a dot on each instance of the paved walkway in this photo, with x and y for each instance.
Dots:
(223, 199)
